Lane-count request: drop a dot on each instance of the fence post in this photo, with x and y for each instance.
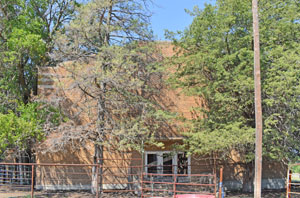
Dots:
(174, 185)
(287, 182)
(290, 182)
(97, 180)
(221, 183)
(142, 175)
(32, 180)
(142, 171)
(215, 182)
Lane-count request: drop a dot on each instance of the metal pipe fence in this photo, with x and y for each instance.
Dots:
(173, 185)
(118, 176)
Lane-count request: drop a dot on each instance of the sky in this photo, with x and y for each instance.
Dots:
(171, 15)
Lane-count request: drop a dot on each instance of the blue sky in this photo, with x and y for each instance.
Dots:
(170, 15)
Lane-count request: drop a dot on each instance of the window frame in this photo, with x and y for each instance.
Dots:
(159, 157)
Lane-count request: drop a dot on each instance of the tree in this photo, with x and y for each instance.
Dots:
(112, 60)
(215, 62)
(26, 31)
(21, 130)
(27, 28)
(25, 127)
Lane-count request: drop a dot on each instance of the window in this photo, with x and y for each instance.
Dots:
(182, 163)
(167, 162)
(152, 163)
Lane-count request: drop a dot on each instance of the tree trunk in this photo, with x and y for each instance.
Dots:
(24, 157)
(98, 155)
(22, 83)
(248, 178)
(107, 35)
(97, 170)
(20, 173)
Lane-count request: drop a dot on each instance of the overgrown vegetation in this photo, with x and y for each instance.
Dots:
(113, 61)
(215, 62)
(27, 28)
(111, 56)
(23, 128)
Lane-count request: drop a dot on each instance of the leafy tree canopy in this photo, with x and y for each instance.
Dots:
(215, 62)
(26, 31)
(112, 62)
(21, 129)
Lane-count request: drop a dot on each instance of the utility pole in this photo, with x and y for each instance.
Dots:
(258, 108)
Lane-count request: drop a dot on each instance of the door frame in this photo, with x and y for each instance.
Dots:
(159, 155)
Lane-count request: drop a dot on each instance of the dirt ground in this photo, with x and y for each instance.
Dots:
(270, 194)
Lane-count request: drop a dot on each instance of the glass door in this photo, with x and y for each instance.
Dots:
(160, 162)
(167, 163)
(152, 163)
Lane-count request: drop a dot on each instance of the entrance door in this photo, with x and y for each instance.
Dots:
(159, 162)
(152, 163)
(167, 162)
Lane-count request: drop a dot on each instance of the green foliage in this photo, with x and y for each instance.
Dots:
(215, 62)
(21, 129)
(22, 45)
(113, 64)
(26, 31)
(18, 131)
(296, 169)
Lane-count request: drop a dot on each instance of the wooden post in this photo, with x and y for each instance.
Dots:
(258, 108)
(32, 181)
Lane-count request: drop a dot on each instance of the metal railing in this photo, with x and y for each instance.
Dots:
(171, 185)
(91, 180)
(171, 182)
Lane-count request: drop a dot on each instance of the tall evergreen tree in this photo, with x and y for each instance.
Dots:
(112, 61)
(215, 62)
